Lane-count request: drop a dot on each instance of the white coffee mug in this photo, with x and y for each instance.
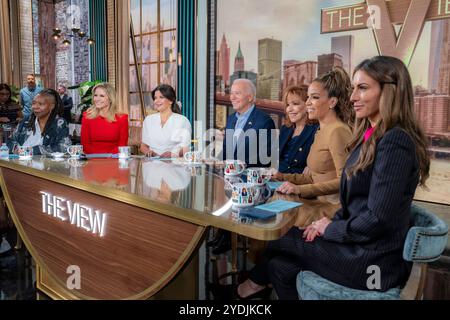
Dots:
(258, 176)
(193, 156)
(229, 181)
(25, 152)
(75, 151)
(245, 195)
(234, 167)
(124, 152)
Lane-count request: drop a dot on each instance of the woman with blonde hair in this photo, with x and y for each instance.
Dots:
(388, 160)
(329, 103)
(103, 129)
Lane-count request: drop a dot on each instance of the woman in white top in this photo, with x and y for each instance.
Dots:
(167, 133)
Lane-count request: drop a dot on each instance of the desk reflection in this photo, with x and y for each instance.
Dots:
(162, 181)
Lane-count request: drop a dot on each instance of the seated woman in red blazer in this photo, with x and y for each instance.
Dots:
(103, 130)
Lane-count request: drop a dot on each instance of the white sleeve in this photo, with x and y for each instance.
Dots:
(182, 135)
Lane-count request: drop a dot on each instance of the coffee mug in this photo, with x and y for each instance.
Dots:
(25, 152)
(193, 156)
(264, 193)
(234, 167)
(258, 176)
(230, 181)
(245, 195)
(75, 151)
(124, 152)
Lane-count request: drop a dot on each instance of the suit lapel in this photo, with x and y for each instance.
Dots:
(251, 120)
(232, 123)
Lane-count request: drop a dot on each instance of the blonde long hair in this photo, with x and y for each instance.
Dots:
(93, 112)
(396, 109)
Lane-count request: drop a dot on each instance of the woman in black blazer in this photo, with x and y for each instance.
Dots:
(297, 135)
(388, 159)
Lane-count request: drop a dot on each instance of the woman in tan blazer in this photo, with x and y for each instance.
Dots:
(329, 103)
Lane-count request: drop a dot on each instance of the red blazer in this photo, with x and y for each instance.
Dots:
(100, 136)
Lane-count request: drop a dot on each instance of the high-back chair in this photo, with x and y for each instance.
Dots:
(425, 242)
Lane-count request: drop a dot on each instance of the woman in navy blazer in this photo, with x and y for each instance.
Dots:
(388, 160)
(297, 135)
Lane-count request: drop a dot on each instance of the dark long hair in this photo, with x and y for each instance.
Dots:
(4, 86)
(58, 110)
(396, 109)
(169, 93)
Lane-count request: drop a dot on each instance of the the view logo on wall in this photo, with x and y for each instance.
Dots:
(382, 16)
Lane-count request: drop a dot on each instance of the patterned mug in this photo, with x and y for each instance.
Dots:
(193, 156)
(25, 152)
(75, 151)
(258, 176)
(124, 152)
(234, 167)
(245, 195)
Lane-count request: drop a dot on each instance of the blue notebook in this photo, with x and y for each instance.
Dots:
(268, 210)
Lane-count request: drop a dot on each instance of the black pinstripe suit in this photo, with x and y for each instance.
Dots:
(370, 229)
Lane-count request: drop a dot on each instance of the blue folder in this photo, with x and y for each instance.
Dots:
(269, 210)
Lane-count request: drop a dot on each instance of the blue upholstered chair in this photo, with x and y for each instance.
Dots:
(425, 242)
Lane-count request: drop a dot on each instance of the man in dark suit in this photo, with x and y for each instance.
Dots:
(248, 137)
(67, 103)
(248, 134)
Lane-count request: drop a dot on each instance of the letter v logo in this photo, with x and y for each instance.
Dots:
(386, 39)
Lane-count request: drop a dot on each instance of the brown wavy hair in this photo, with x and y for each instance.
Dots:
(338, 85)
(396, 109)
(302, 92)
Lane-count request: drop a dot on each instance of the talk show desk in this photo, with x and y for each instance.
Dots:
(124, 229)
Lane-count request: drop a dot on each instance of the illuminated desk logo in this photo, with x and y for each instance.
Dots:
(79, 215)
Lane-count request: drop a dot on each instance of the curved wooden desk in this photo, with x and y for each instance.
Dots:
(129, 226)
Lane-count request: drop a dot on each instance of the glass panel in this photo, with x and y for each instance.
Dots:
(138, 49)
(168, 14)
(133, 79)
(136, 15)
(150, 47)
(169, 73)
(148, 101)
(149, 76)
(149, 16)
(168, 42)
(135, 109)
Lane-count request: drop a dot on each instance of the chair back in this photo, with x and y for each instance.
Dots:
(427, 238)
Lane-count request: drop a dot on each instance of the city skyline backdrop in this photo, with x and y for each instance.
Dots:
(300, 37)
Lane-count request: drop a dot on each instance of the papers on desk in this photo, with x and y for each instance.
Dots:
(268, 210)
(99, 155)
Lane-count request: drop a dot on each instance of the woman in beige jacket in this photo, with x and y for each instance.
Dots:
(329, 103)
